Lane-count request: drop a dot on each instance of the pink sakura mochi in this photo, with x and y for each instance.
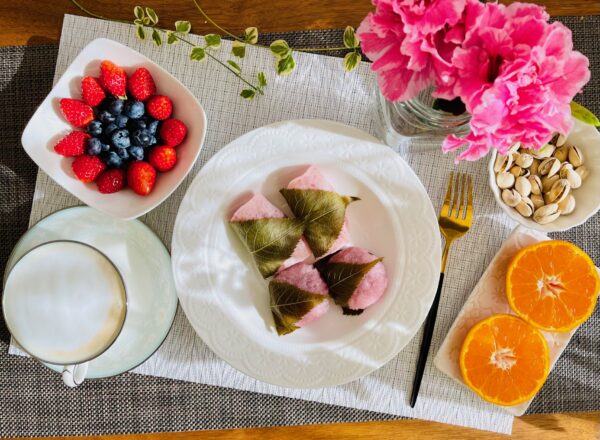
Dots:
(259, 207)
(306, 277)
(313, 179)
(373, 285)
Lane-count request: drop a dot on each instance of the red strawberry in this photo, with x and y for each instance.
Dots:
(159, 107)
(87, 168)
(173, 132)
(91, 91)
(72, 144)
(141, 177)
(113, 78)
(76, 112)
(163, 157)
(111, 181)
(141, 84)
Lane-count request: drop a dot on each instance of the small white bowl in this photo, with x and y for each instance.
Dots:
(587, 197)
(47, 126)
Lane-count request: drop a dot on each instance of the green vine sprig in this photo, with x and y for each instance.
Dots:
(146, 24)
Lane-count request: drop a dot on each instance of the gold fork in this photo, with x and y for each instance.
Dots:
(455, 220)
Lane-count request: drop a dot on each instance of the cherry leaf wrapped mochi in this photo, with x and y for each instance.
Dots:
(323, 211)
(274, 240)
(298, 297)
(356, 278)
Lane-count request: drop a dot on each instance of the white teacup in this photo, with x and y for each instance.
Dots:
(65, 303)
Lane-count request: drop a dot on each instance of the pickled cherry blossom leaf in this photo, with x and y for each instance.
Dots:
(271, 241)
(289, 304)
(342, 279)
(584, 115)
(323, 214)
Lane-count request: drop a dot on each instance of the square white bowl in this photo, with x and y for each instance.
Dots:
(47, 126)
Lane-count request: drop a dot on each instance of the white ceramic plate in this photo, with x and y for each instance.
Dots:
(587, 197)
(227, 301)
(47, 126)
(144, 263)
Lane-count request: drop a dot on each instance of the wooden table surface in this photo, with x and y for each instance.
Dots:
(38, 22)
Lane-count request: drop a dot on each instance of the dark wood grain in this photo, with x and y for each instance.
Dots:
(38, 21)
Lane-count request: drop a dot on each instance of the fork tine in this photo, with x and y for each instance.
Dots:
(462, 206)
(469, 216)
(446, 207)
(457, 190)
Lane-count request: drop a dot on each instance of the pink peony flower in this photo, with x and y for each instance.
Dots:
(517, 75)
(411, 43)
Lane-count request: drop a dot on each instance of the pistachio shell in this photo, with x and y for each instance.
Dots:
(503, 163)
(546, 214)
(534, 166)
(567, 206)
(562, 153)
(538, 200)
(511, 197)
(547, 182)
(572, 177)
(549, 167)
(525, 207)
(516, 171)
(523, 186)
(505, 180)
(536, 184)
(583, 172)
(524, 160)
(560, 140)
(575, 156)
(559, 191)
(544, 152)
(563, 169)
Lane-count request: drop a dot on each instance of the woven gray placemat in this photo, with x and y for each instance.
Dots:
(35, 403)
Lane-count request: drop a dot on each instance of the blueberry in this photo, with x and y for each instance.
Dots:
(95, 128)
(153, 127)
(120, 138)
(136, 153)
(135, 110)
(121, 121)
(93, 146)
(105, 147)
(123, 153)
(153, 141)
(110, 128)
(116, 107)
(106, 117)
(112, 160)
(141, 138)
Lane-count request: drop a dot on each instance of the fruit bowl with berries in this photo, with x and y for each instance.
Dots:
(117, 131)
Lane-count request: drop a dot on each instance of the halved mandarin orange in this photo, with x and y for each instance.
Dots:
(553, 285)
(504, 360)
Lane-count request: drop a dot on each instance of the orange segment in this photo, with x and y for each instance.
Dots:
(504, 360)
(553, 285)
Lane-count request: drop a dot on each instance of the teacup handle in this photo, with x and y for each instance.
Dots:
(74, 375)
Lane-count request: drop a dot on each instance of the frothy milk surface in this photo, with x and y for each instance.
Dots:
(64, 302)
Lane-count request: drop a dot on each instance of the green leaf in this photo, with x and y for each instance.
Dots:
(251, 35)
(248, 94)
(139, 32)
(351, 61)
(156, 37)
(238, 49)
(213, 40)
(289, 304)
(138, 11)
(235, 66)
(584, 115)
(197, 54)
(262, 79)
(271, 241)
(152, 15)
(323, 213)
(285, 65)
(342, 279)
(172, 38)
(280, 48)
(138, 21)
(183, 26)
(146, 21)
(350, 38)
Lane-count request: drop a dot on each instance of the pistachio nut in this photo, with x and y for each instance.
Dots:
(559, 191)
(575, 156)
(503, 163)
(583, 172)
(534, 166)
(523, 186)
(525, 207)
(572, 177)
(538, 200)
(547, 182)
(560, 140)
(524, 160)
(549, 167)
(505, 180)
(563, 169)
(516, 171)
(511, 197)
(546, 214)
(562, 153)
(544, 152)
(567, 206)
(536, 184)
